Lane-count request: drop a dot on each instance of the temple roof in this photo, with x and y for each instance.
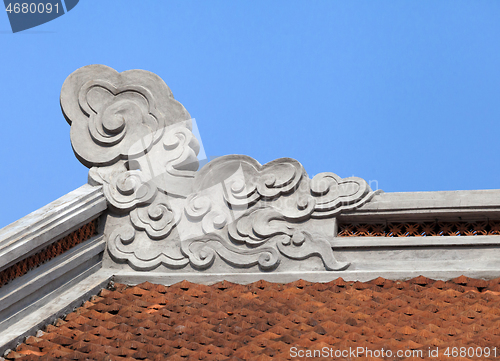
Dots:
(235, 259)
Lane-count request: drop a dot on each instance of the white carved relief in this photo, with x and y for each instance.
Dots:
(137, 140)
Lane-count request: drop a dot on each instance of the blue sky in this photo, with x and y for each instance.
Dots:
(403, 94)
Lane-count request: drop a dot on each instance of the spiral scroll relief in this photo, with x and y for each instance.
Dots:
(116, 115)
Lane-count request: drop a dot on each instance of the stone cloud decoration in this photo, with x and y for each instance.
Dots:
(165, 214)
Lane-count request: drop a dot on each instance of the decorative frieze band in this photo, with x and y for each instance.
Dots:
(420, 229)
(53, 250)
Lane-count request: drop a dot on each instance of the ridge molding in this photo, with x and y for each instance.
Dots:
(235, 215)
(50, 223)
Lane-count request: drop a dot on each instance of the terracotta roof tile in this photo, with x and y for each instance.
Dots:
(263, 320)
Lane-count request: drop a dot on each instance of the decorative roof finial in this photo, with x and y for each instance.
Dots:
(137, 140)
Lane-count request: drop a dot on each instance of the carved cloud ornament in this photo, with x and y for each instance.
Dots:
(233, 212)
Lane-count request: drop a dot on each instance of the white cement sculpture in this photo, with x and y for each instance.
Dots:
(137, 141)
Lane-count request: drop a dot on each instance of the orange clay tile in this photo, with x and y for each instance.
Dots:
(263, 321)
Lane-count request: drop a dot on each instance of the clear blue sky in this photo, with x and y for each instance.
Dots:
(403, 93)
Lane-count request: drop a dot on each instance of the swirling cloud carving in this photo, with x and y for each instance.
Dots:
(246, 180)
(334, 195)
(116, 115)
(137, 140)
(156, 219)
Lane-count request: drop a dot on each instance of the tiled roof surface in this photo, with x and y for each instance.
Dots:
(263, 321)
